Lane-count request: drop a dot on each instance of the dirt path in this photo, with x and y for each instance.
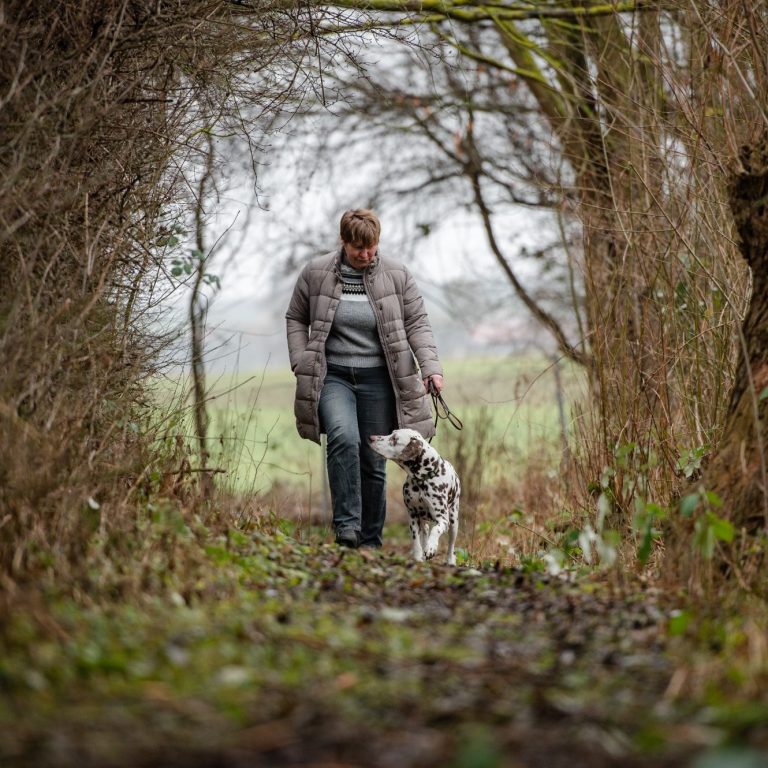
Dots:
(276, 654)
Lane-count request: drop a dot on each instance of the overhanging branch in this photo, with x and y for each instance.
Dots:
(467, 11)
(549, 322)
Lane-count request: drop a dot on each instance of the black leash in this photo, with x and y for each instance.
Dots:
(442, 411)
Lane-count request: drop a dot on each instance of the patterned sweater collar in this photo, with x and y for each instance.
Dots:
(342, 267)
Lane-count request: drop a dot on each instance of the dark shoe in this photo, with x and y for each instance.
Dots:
(347, 539)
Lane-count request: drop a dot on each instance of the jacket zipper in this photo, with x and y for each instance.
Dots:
(390, 365)
(324, 370)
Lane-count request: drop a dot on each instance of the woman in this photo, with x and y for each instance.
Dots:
(355, 322)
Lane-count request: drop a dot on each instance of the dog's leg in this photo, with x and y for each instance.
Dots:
(438, 529)
(453, 532)
(415, 525)
(425, 528)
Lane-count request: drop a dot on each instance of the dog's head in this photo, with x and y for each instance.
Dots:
(400, 445)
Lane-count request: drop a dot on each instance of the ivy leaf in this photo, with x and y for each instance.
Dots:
(722, 529)
(688, 504)
(714, 500)
(704, 537)
(644, 551)
(678, 622)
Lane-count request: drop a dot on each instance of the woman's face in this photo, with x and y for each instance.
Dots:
(360, 256)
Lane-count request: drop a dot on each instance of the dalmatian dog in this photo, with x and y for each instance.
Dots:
(431, 491)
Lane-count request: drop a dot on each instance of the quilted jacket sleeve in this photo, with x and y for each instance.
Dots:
(418, 329)
(297, 319)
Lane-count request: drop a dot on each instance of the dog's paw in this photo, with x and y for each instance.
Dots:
(451, 559)
(430, 552)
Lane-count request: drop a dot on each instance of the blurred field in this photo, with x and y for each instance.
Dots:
(508, 407)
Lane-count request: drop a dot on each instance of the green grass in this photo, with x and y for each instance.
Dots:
(508, 407)
(508, 404)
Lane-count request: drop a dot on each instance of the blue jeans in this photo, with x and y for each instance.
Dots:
(356, 403)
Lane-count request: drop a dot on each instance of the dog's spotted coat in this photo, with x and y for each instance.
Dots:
(431, 492)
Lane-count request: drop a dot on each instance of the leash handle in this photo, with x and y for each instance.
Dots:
(442, 411)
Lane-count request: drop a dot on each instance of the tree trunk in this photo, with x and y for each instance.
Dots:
(738, 471)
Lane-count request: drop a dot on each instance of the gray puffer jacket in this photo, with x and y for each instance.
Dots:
(404, 331)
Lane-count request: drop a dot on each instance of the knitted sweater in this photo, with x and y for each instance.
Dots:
(354, 337)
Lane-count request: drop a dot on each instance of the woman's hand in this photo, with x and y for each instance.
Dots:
(437, 382)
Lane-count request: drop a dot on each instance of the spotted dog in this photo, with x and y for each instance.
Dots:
(431, 491)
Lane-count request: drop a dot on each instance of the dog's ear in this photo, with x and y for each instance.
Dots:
(412, 450)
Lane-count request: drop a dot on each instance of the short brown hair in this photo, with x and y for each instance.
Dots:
(360, 226)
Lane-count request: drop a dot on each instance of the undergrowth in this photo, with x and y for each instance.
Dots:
(238, 642)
